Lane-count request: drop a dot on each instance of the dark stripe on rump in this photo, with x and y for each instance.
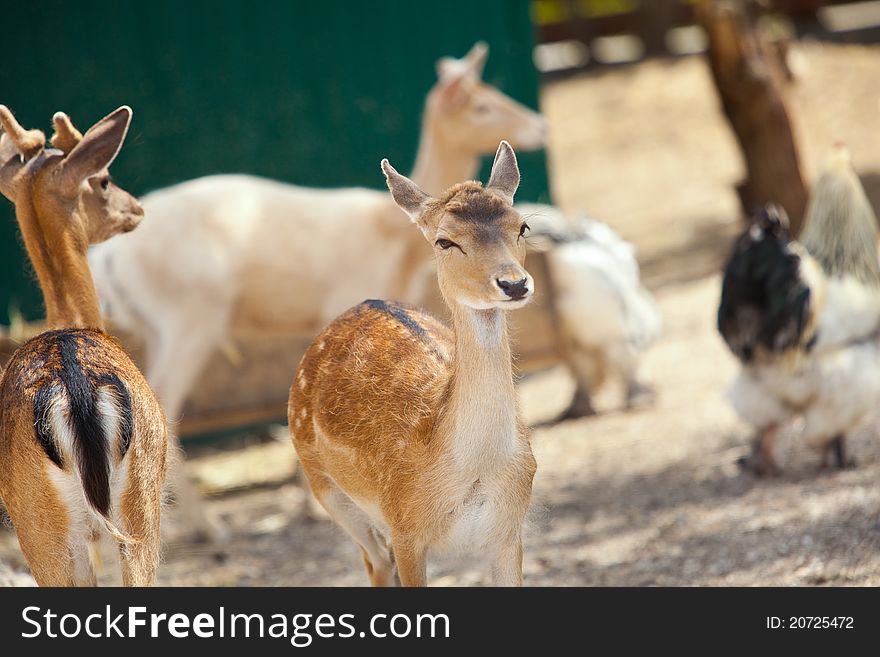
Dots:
(43, 425)
(398, 313)
(88, 432)
(126, 427)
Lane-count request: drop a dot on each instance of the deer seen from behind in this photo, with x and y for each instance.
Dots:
(83, 441)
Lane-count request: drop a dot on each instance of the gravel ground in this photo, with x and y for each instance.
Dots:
(651, 497)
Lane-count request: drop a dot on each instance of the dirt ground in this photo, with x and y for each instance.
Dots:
(654, 496)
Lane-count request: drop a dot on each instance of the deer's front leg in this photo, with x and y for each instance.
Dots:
(507, 565)
(411, 564)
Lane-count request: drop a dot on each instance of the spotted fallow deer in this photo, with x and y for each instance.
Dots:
(83, 441)
(409, 432)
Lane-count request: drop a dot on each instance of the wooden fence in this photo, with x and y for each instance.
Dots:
(650, 21)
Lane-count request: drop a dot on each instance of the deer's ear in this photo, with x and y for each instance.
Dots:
(471, 64)
(447, 67)
(476, 58)
(97, 149)
(504, 178)
(453, 91)
(406, 194)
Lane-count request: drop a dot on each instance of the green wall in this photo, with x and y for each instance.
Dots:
(307, 92)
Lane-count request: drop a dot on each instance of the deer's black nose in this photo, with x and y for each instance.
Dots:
(513, 289)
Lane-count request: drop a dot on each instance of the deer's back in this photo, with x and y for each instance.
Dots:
(370, 384)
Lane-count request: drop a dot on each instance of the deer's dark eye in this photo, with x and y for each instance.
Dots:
(444, 243)
(105, 183)
(523, 229)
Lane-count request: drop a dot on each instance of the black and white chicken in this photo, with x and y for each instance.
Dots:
(803, 319)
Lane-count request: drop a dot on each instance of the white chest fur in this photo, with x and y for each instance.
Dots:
(475, 521)
(483, 433)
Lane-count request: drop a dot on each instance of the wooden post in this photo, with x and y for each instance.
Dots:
(656, 17)
(749, 80)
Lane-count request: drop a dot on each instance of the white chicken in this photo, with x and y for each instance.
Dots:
(607, 317)
(804, 317)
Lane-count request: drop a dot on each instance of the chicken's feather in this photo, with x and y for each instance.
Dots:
(765, 302)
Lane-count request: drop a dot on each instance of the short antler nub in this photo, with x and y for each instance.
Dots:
(28, 142)
(66, 135)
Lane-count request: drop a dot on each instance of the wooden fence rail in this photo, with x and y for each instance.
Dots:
(650, 21)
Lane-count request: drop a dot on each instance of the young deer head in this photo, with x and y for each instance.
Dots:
(477, 235)
(69, 184)
(64, 200)
(474, 116)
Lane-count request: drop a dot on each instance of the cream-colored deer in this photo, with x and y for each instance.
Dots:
(83, 441)
(256, 256)
(409, 433)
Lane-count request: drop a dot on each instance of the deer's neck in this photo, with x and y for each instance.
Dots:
(439, 164)
(62, 272)
(481, 423)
